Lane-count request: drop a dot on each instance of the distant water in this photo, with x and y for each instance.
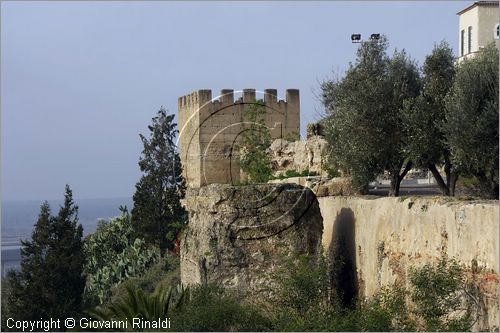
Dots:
(19, 218)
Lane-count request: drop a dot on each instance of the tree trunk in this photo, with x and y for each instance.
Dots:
(447, 172)
(452, 182)
(408, 167)
(396, 179)
(394, 187)
(451, 175)
(439, 180)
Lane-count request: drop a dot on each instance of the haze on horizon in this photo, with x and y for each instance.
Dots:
(81, 80)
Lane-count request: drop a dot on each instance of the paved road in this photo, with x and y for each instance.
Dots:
(383, 190)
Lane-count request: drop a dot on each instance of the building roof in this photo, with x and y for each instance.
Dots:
(479, 3)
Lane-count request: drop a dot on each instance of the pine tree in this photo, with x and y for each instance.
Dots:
(50, 282)
(157, 215)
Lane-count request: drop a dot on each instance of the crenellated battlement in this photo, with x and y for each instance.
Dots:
(227, 96)
(211, 126)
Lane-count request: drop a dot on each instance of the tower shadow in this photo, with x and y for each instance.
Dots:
(342, 253)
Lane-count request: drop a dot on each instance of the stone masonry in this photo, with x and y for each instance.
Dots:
(210, 128)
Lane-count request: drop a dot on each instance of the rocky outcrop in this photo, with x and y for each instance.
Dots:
(297, 156)
(238, 235)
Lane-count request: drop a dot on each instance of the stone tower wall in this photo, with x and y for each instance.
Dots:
(211, 128)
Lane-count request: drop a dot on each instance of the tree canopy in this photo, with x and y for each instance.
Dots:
(157, 215)
(50, 283)
(382, 117)
(364, 123)
(471, 119)
(425, 115)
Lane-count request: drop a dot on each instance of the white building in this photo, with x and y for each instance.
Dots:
(479, 26)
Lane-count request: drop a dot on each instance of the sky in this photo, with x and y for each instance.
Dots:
(81, 80)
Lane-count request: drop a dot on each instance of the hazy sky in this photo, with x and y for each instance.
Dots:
(81, 80)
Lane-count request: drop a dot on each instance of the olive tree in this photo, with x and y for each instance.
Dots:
(471, 119)
(424, 118)
(364, 122)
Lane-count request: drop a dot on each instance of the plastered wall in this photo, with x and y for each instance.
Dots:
(483, 19)
(388, 235)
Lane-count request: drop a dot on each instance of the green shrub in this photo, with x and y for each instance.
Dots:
(469, 181)
(305, 173)
(437, 292)
(256, 139)
(303, 283)
(393, 300)
(294, 173)
(304, 301)
(164, 273)
(469, 188)
(112, 255)
(137, 304)
(291, 173)
(211, 308)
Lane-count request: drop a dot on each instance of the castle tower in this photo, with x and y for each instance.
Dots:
(210, 129)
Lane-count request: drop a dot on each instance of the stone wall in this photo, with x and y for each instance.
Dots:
(209, 130)
(383, 237)
(238, 235)
(298, 155)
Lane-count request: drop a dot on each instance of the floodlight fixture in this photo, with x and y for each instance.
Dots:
(356, 38)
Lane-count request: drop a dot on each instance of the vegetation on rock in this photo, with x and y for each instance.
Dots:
(256, 140)
(294, 173)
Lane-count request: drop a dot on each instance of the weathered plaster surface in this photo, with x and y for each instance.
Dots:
(389, 235)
